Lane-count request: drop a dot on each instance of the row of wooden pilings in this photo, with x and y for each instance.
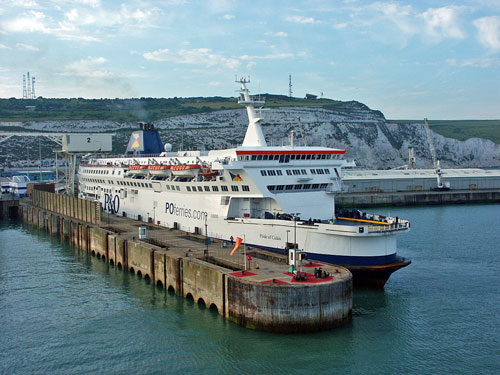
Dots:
(254, 305)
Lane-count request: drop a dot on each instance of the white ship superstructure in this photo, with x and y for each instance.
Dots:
(275, 197)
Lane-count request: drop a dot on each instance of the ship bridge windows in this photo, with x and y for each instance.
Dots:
(224, 188)
(234, 188)
(215, 188)
(245, 188)
(296, 188)
(207, 188)
(200, 188)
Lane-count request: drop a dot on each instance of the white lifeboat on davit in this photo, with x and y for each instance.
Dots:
(186, 170)
(160, 170)
(138, 169)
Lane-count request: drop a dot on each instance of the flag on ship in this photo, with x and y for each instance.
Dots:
(239, 240)
(235, 177)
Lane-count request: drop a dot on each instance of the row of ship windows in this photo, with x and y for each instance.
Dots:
(216, 188)
(295, 172)
(287, 158)
(99, 171)
(274, 188)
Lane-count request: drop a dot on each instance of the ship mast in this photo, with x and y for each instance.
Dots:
(254, 136)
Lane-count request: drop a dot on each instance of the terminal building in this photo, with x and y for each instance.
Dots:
(418, 180)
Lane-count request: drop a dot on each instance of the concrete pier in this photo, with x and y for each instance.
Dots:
(415, 198)
(265, 297)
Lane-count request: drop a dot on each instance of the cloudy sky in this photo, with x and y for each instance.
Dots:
(410, 59)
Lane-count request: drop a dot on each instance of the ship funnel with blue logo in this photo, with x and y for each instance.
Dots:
(145, 141)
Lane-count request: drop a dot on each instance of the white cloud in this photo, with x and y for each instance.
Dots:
(443, 22)
(89, 68)
(31, 21)
(251, 64)
(3, 46)
(271, 56)
(280, 34)
(228, 16)
(301, 19)
(27, 47)
(489, 32)
(339, 26)
(486, 62)
(197, 56)
(215, 83)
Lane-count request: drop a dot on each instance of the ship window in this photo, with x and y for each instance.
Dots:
(168, 187)
(177, 187)
(303, 171)
(289, 187)
(323, 186)
(245, 188)
(263, 173)
(223, 188)
(151, 186)
(313, 171)
(199, 188)
(296, 172)
(215, 188)
(254, 157)
(336, 172)
(323, 156)
(293, 157)
(259, 157)
(308, 157)
(234, 188)
(270, 187)
(173, 187)
(288, 172)
(206, 188)
(327, 171)
(280, 187)
(298, 187)
(188, 188)
(264, 157)
(307, 186)
(315, 186)
(279, 173)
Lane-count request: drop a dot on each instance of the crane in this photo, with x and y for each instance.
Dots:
(435, 160)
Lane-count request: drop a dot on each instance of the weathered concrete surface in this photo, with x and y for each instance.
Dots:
(140, 259)
(99, 242)
(290, 308)
(160, 267)
(204, 281)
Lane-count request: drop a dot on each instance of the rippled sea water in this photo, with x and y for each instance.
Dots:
(65, 312)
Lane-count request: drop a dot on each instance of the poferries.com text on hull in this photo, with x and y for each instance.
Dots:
(275, 197)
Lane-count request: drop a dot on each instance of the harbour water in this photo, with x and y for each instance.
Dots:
(65, 312)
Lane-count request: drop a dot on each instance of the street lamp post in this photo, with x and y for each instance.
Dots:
(206, 237)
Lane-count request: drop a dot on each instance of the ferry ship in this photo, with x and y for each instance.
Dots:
(275, 197)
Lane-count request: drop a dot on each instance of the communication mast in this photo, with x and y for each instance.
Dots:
(25, 92)
(29, 86)
(33, 87)
(290, 85)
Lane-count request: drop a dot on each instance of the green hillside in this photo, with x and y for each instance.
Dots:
(130, 110)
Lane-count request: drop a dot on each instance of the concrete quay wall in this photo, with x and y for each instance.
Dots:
(268, 307)
(417, 198)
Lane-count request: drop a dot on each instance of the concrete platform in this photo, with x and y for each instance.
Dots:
(265, 296)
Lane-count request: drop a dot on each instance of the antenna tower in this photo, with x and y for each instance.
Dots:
(25, 93)
(290, 85)
(29, 86)
(33, 87)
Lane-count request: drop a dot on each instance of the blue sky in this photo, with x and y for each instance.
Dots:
(409, 59)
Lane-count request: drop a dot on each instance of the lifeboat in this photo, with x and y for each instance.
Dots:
(185, 170)
(160, 170)
(208, 173)
(138, 169)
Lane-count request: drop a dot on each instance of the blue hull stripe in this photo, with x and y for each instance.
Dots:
(341, 260)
